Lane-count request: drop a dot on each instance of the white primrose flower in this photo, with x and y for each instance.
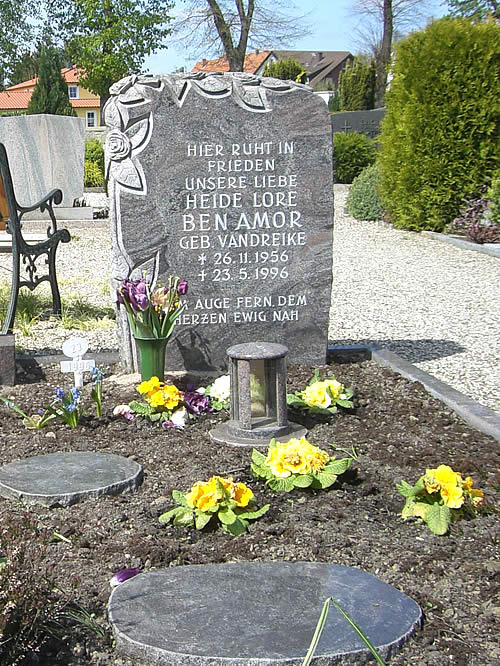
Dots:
(220, 389)
(179, 417)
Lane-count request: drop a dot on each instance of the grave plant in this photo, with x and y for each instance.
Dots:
(219, 500)
(298, 464)
(440, 497)
(321, 396)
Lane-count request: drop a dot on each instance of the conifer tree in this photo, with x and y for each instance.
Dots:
(357, 87)
(286, 69)
(51, 92)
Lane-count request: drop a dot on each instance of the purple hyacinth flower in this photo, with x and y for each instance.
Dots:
(182, 288)
(123, 575)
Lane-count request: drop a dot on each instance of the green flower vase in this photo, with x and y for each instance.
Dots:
(152, 355)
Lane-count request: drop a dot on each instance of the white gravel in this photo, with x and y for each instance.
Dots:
(432, 303)
(435, 304)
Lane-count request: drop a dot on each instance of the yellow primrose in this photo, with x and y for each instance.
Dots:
(277, 465)
(476, 496)
(150, 386)
(444, 475)
(169, 397)
(468, 483)
(335, 387)
(242, 494)
(316, 395)
(453, 496)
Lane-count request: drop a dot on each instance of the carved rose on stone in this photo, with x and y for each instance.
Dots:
(118, 145)
(119, 152)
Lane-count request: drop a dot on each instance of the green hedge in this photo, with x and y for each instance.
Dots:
(93, 176)
(440, 139)
(363, 201)
(352, 152)
(94, 152)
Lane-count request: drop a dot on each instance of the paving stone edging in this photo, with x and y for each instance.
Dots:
(478, 416)
(493, 249)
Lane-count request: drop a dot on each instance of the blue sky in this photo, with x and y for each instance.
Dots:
(333, 29)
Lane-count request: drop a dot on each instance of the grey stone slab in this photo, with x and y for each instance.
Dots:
(493, 249)
(225, 180)
(256, 613)
(7, 360)
(363, 122)
(45, 152)
(62, 479)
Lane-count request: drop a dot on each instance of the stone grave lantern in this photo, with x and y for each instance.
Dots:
(257, 372)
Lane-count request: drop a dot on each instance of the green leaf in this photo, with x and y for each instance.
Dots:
(253, 515)
(258, 458)
(302, 480)
(337, 466)
(324, 479)
(405, 489)
(180, 498)
(183, 517)
(315, 378)
(201, 519)
(262, 472)
(226, 516)
(141, 408)
(238, 527)
(294, 401)
(168, 515)
(438, 518)
(285, 485)
(347, 404)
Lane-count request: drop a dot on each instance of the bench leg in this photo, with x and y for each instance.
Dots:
(56, 297)
(8, 324)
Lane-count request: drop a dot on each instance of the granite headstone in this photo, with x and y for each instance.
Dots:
(45, 152)
(225, 180)
(363, 122)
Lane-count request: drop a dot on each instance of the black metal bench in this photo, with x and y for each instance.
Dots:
(26, 250)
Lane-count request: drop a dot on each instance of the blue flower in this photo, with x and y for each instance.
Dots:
(97, 375)
(59, 393)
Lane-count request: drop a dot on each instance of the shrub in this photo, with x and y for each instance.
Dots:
(494, 198)
(357, 86)
(93, 176)
(440, 135)
(94, 152)
(475, 222)
(286, 69)
(352, 152)
(363, 201)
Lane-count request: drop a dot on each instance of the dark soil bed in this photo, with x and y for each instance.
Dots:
(397, 430)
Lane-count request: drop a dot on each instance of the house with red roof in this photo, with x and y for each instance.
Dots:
(323, 67)
(86, 105)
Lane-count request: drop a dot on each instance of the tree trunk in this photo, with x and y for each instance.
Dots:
(234, 54)
(384, 55)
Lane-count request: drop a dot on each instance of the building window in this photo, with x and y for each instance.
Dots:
(73, 92)
(91, 119)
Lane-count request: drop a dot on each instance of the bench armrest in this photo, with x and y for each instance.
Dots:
(53, 197)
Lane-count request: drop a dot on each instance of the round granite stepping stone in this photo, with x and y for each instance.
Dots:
(260, 613)
(61, 479)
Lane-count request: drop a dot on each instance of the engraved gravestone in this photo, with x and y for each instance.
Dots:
(225, 180)
(363, 122)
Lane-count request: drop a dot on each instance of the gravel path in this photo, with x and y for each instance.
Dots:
(435, 304)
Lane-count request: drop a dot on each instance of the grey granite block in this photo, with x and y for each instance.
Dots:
(45, 152)
(7, 360)
(256, 613)
(62, 479)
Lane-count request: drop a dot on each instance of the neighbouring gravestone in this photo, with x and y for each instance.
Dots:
(225, 180)
(45, 152)
(363, 122)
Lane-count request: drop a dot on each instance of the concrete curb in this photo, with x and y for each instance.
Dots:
(478, 416)
(493, 249)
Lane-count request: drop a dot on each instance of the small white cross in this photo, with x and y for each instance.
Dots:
(75, 348)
